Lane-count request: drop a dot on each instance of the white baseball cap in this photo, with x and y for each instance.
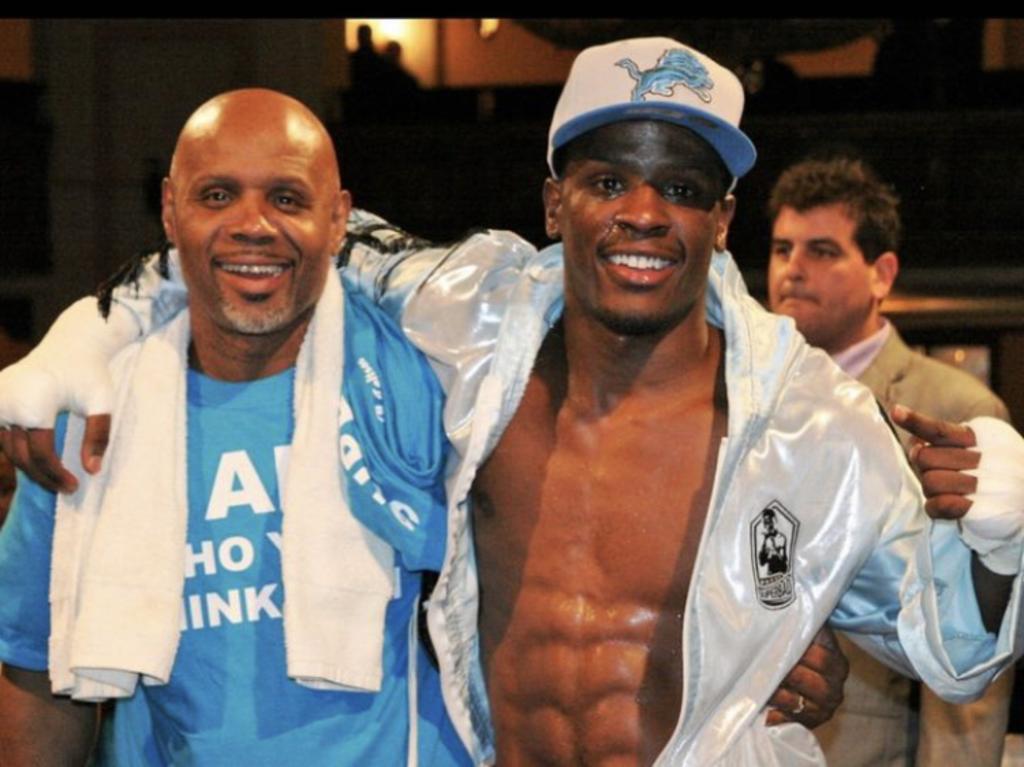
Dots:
(654, 78)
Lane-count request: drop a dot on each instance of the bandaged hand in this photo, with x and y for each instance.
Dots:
(67, 371)
(994, 526)
(973, 473)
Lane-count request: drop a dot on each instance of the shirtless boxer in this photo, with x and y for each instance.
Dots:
(585, 560)
(590, 512)
(584, 548)
(586, 556)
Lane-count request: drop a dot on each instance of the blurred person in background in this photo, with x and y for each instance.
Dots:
(835, 237)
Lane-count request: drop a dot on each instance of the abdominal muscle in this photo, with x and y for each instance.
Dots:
(580, 681)
(586, 539)
(587, 519)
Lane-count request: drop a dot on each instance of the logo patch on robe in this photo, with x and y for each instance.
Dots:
(772, 543)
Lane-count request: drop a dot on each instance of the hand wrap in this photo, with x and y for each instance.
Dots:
(68, 370)
(994, 525)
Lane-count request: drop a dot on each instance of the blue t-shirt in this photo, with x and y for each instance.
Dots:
(229, 699)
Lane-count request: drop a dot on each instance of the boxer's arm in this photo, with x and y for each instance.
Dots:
(982, 488)
(68, 369)
(912, 604)
(396, 269)
(38, 728)
(452, 302)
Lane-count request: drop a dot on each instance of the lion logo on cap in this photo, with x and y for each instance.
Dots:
(675, 66)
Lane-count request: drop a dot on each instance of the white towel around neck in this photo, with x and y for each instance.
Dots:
(116, 588)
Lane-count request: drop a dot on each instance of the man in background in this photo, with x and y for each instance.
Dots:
(835, 236)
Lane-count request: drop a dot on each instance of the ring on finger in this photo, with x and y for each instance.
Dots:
(800, 705)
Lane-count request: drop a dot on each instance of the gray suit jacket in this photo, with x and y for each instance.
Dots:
(901, 376)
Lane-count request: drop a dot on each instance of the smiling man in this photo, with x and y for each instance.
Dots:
(254, 268)
(631, 365)
(835, 237)
(628, 427)
(632, 428)
(651, 430)
(262, 637)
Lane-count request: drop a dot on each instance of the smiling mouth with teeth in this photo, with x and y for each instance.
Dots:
(254, 270)
(639, 262)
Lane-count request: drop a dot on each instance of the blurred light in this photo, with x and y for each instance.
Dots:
(394, 29)
(489, 28)
(973, 359)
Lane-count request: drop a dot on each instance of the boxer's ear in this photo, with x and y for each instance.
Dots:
(727, 209)
(552, 194)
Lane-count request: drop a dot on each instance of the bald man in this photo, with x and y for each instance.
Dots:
(255, 209)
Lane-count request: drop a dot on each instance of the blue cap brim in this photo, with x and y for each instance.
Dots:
(733, 146)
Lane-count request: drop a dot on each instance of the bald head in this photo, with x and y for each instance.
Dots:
(254, 115)
(255, 207)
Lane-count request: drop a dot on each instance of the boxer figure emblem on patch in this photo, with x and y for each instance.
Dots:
(772, 541)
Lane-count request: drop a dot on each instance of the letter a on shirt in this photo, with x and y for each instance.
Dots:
(237, 484)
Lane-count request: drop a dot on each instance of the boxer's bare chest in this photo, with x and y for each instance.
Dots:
(586, 531)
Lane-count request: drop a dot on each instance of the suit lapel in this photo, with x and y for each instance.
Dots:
(888, 369)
